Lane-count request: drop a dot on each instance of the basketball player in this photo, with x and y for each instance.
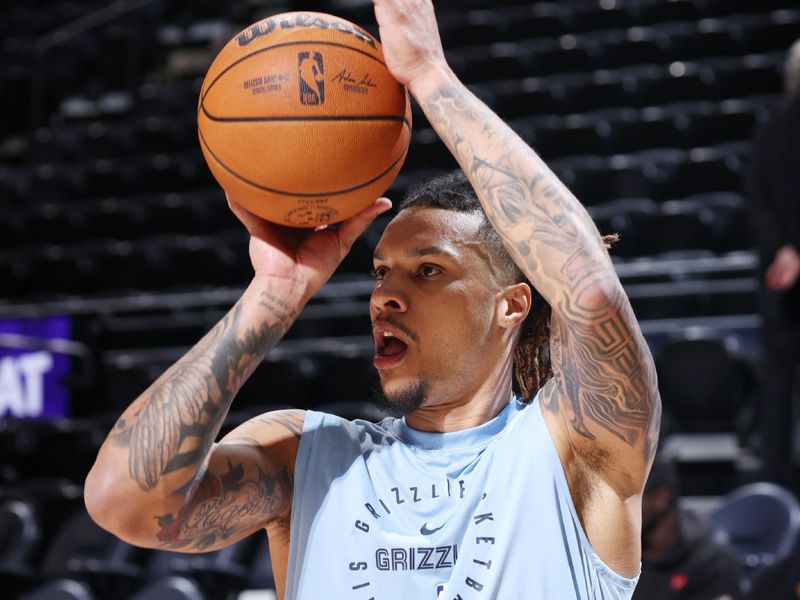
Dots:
(475, 493)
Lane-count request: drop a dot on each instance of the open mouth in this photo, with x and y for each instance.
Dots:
(389, 345)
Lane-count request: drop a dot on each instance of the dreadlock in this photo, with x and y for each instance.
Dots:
(454, 192)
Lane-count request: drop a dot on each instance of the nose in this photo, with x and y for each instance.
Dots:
(386, 297)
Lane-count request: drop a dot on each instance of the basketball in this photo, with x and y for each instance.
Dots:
(301, 122)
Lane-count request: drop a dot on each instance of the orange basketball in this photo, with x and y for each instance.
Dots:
(300, 120)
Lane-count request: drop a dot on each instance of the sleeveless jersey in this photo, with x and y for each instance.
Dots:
(382, 511)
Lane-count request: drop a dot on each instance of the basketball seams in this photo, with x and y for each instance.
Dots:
(205, 91)
(216, 119)
(299, 194)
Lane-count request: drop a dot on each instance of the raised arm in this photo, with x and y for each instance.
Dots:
(604, 390)
(159, 479)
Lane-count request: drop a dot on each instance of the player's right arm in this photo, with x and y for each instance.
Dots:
(159, 479)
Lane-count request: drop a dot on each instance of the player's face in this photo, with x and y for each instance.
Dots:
(433, 307)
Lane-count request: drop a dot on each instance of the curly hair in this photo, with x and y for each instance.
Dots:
(532, 353)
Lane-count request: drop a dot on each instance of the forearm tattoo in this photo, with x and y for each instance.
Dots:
(603, 366)
(183, 411)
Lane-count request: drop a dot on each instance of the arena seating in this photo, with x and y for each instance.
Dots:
(108, 214)
(762, 523)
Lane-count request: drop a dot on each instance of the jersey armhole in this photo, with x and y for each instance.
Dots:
(562, 485)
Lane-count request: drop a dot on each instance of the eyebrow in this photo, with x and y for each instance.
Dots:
(424, 251)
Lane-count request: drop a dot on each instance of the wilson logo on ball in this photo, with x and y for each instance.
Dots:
(312, 77)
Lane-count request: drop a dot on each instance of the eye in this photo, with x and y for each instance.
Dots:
(427, 270)
(379, 273)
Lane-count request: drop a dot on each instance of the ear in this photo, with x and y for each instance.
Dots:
(514, 304)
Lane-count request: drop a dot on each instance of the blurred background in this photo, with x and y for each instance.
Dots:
(117, 252)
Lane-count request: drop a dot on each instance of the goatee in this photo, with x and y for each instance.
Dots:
(402, 402)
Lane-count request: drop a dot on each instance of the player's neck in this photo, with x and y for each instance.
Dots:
(470, 409)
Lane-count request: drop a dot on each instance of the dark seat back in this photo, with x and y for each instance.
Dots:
(761, 521)
(19, 531)
(170, 588)
(697, 384)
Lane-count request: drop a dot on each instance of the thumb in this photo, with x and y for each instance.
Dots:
(353, 227)
(248, 219)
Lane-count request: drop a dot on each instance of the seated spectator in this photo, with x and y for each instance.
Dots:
(680, 559)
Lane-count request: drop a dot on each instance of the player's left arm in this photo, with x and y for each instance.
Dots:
(604, 392)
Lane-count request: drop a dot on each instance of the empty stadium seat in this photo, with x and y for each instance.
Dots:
(84, 552)
(778, 580)
(652, 128)
(573, 135)
(623, 217)
(279, 383)
(561, 56)
(429, 152)
(522, 98)
(586, 177)
(726, 215)
(497, 61)
(170, 588)
(689, 41)
(20, 532)
(474, 27)
(698, 384)
(636, 175)
(634, 46)
(664, 12)
(37, 447)
(735, 120)
(743, 77)
(355, 379)
(261, 575)
(773, 32)
(528, 21)
(579, 93)
(218, 573)
(705, 170)
(761, 521)
(62, 589)
(658, 85)
(106, 177)
(594, 16)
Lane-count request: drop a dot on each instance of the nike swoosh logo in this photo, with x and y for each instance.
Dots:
(425, 531)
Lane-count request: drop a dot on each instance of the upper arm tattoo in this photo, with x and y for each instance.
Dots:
(603, 366)
(225, 505)
(606, 375)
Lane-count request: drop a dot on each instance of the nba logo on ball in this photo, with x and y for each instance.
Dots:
(312, 77)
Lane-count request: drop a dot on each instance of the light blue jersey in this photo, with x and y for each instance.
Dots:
(385, 512)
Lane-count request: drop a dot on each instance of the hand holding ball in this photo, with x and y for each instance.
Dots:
(300, 120)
